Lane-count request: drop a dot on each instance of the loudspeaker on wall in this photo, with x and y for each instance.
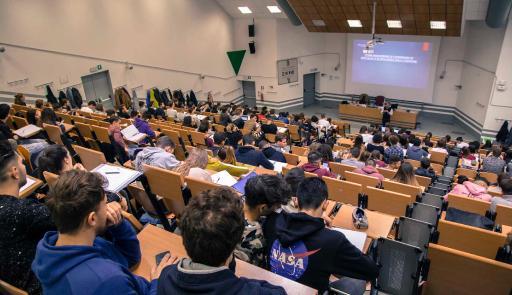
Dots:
(252, 47)
(251, 30)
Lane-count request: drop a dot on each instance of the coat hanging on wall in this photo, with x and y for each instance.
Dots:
(77, 97)
(62, 96)
(49, 95)
(122, 97)
(135, 100)
(503, 132)
(193, 97)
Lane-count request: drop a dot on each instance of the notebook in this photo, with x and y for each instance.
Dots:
(27, 131)
(282, 129)
(223, 178)
(30, 182)
(132, 134)
(118, 177)
(278, 166)
(201, 117)
(356, 238)
(240, 185)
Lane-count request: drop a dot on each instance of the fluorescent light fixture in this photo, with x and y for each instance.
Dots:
(354, 23)
(395, 24)
(438, 25)
(244, 9)
(274, 9)
(318, 23)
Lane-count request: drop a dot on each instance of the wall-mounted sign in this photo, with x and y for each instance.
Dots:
(287, 71)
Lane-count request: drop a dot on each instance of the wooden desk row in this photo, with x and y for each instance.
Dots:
(400, 118)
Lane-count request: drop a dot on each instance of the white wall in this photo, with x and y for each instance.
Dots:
(500, 106)
(158, 35)
(483, 46)
(445, 92)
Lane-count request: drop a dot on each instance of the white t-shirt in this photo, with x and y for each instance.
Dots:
(462, 145)
(367, 138)
(440, 150)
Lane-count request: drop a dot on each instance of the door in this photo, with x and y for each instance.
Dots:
(309, 89)
(98, 87)
(249, 88)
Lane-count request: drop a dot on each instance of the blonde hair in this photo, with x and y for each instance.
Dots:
(197, 158)
(229, 153)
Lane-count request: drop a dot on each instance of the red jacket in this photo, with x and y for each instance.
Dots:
(370, 171)
(312, 168)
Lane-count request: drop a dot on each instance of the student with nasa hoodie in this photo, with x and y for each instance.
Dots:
(302, 249)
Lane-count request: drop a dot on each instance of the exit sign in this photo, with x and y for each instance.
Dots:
(95, 69)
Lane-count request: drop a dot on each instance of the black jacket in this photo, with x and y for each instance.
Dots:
(302, 249)
(269, 129)
(232, 138)
(5, 131)
(502, 133)
(426, 172)
(49, 95)
(274, 155)
(223, 282)
(250, 156)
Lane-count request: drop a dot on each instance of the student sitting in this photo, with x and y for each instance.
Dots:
(219, 139)
(212, 225)
(370, 170)
(142, 124)
(263, 195)
(475, 190)
(304, 250)
(270, 152)
(460, 143)
(314, 165)
(425, 169)
(114, 130)
(23, 223)
(376, 144)
(225, 160)
(195, 165)
(247, 154)
(494, 163)
(294, 177)
(159, 156)
(415, 152)
(269, 127)
(75, 259)
(233, 135)
(394, 149)
(367, 137)
(90, 108)
(405, 175)
(506, 199)
(281, 144)
(377, 157)
(57, 160)
(351, 158)
(441, 146)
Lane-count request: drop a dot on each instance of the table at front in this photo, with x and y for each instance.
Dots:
(400, 118)
(154, 240)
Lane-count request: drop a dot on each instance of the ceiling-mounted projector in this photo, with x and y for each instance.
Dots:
(375, 40)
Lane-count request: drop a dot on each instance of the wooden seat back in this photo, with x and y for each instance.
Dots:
(424, 181)
(491, 177)
(168, 185)
(364, 180)
(387, 202)
(470, 239)
(458, 273)
(468, 204)
(101, 133)
(504, 215)
(339, 168)
(438, 157)
(301, 151)
(198, 138)
(414, 163)
(343, 191)
(387, 173)
(50, 178)
(54, 133)
(291, 159)
(8, 289)
(410, 190)
(84, 129)
(469, 173)
(197, 186)
(90, 158)
(19, 121)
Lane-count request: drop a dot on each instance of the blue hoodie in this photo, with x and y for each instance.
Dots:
(100, 269)
(250, 156)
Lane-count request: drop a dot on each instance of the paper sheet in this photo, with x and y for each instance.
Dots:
(282, 129)
(224, 178)
(117, 176)
(132, 134)
(30, 182)
(278, 166)
(27, 131)
(356, 238)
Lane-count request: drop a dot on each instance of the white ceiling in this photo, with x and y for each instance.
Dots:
(258, 7)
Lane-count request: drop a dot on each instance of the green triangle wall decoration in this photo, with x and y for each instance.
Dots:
(236, 58)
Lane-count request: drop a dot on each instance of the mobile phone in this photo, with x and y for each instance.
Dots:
(335, 210)
(160, 256)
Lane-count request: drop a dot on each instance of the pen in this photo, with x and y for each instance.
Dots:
(112, 172)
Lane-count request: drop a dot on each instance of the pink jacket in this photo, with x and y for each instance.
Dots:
(370, 171)
(321, 172)
(471, 190)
